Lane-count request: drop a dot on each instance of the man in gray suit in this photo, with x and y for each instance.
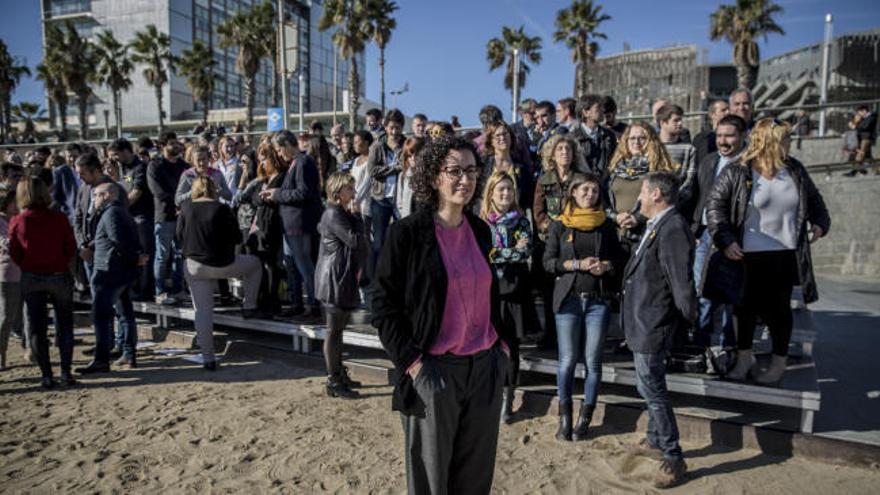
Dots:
(658, 300)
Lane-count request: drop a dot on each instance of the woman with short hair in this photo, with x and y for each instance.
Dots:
(208, 234)
(341, 256)
(763, 213)
(582, 252)
(435, 304)
(41, 243)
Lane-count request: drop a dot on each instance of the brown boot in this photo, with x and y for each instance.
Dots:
(645, 449)
(670, 473)
(126, 362)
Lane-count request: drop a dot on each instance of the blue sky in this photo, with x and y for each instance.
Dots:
(439, 47)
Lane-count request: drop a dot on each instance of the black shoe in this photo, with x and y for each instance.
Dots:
(94, 367)
(293, 312)
(564, 431)
(225, 301)
(583, 423)
(47, 382)
(315, 312)
(67, 378)
(346, 379)
(851, 173)
(507, 396)
(210, 365)
(335, 388)
(89, 351)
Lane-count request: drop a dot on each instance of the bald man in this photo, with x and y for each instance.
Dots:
(117, 253)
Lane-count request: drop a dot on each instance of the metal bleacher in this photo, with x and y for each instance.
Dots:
(799, 389)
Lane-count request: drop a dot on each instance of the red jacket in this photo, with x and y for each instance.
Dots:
(41, 241)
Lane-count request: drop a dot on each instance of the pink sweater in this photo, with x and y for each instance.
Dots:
(466, 327)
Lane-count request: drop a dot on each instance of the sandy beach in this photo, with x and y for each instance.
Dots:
(263, 425)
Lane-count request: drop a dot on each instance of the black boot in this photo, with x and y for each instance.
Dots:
(346, 379)
(335, 387)
(507, 396)
(583, 424)
(564, 431)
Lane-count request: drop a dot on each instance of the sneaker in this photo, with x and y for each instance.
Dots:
(670, 473)
(165, 300)
(126, 362)
(315, 312)
(210, 365)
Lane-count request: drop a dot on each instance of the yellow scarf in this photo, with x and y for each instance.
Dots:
(582, 218)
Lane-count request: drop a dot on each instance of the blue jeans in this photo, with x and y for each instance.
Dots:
(381, 213)
(651, 383)
(580, 324)
(111, 297)
(37, 290)
(300, 268)
(168, 262)
(713, 315)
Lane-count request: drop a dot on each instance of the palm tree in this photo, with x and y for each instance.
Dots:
(11, 71)
(78, 59)
(245, 30)
(197, 66)
(114, 69)
(153, 49)
(740, 24)
(265, 21)
(28, 112)
(576, 26)
(50, 71)
(500, 49)
(380, 24)
(350, 38)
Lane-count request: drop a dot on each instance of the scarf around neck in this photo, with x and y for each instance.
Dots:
(585, 219)
(503, 225)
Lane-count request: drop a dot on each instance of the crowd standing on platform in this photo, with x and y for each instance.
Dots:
(449, 241)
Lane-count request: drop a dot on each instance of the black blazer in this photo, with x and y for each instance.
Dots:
(409, 296)
(559, 250)
(658, 286)
(299, 197)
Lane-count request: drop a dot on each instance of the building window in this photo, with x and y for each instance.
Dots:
(67, 7)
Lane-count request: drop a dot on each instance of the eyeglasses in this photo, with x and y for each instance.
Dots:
(436, 132)
(457, 172)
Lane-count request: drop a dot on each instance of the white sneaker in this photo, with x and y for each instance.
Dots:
(165, 300)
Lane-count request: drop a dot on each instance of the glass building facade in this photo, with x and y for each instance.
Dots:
(188, 21)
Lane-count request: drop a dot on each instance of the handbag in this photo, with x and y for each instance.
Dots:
(725, 279)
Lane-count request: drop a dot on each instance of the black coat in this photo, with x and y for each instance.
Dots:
(341, 255)
(728, 203)
(299, 197)
(658, 286)
(702, 185)
(596, 155)
(559, 250)
(409, 296)
(705, 144)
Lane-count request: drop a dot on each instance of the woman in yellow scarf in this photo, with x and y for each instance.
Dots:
(583, 252)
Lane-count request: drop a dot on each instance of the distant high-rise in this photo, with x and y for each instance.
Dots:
(189, 20)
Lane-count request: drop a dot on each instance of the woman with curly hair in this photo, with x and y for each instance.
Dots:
(639, 152)
(436, 306)
(560, 157)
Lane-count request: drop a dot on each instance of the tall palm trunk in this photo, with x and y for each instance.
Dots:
(249, 101)
(353, 89)
(161, 113)
(744, 77)
(62, 116)
(82, 104)
(117, 112)
(7, 115)
(205, 102)
(382, 76)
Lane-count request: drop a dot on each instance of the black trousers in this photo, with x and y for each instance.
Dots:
(452, 448)
(769, 278)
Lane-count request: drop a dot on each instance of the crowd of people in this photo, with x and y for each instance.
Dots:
(448, 240)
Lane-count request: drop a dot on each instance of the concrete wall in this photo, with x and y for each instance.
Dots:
(853, 245)
(815, 150)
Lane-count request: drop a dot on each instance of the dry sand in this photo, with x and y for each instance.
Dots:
(262, 425)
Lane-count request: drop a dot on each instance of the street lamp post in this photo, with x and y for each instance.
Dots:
(826, 55)
(282, 50)
(515, 103)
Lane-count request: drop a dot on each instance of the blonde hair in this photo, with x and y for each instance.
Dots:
(487, 206)
(203, 187)
(765, 153)
(336, 183)
(549, 149)
(658, 157)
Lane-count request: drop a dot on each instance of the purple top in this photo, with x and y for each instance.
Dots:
(466, 327)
